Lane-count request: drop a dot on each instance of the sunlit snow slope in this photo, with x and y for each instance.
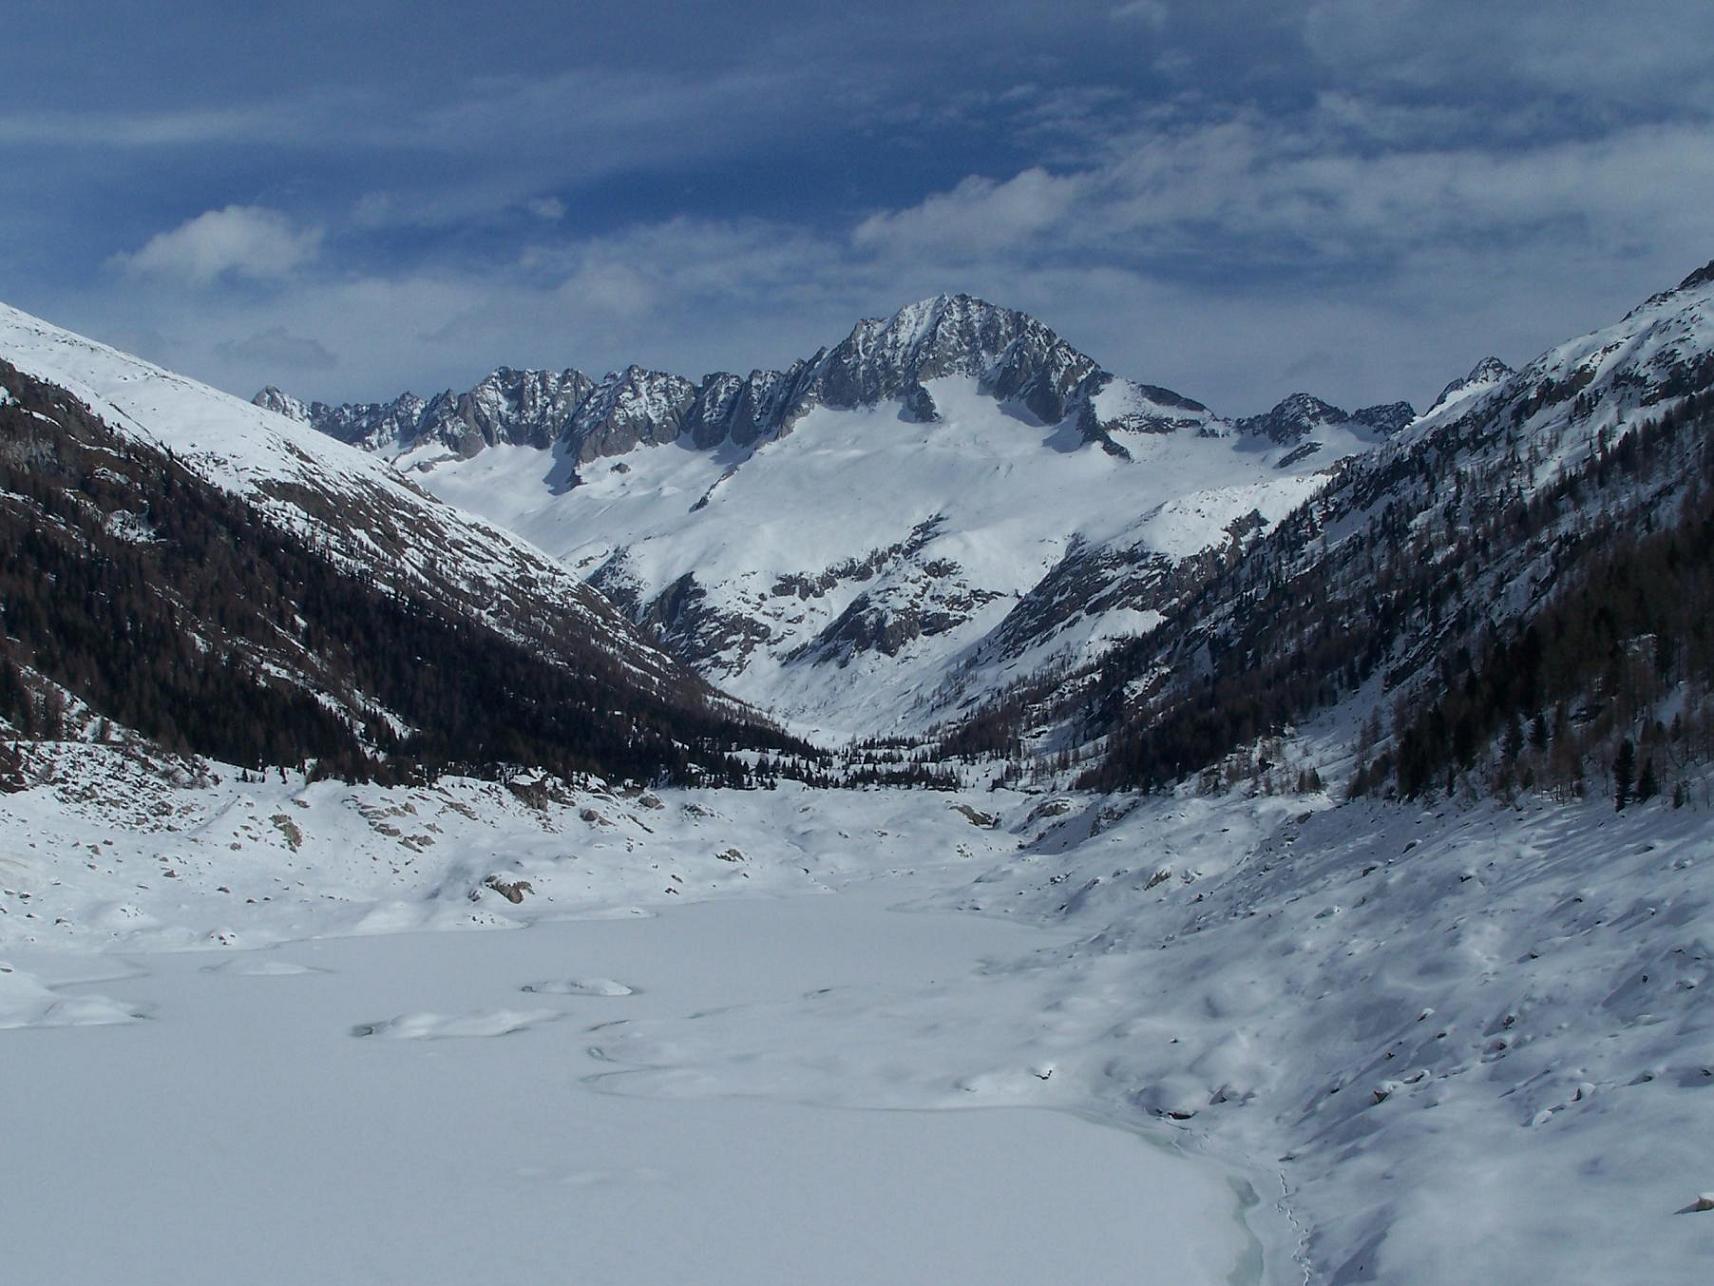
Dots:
(878, 538)
(842, 573)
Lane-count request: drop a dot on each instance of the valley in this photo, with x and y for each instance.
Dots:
(1137, 843)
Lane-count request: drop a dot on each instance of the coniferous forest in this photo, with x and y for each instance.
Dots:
(176, 610)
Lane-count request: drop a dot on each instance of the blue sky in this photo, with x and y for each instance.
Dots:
(1358, 198)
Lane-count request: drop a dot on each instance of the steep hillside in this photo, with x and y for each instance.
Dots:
(265, 622)
(1569, 496)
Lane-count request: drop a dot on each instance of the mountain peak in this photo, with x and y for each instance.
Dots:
(1701, 277)
(941, 330)
(282, 403)
(933, 307)
(1292, 419)
(1484, 375)
(1011, 356)
(1489, 368)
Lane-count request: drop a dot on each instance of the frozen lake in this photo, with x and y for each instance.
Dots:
(449, 1108)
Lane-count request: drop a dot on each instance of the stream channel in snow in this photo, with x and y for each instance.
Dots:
(446, 1108)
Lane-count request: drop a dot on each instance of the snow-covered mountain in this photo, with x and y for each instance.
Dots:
(335, 538)
(1012, 356)
(1407, 587)
(877, 537)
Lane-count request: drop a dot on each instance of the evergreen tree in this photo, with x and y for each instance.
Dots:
(1514, 743)
(1648, 786)
(1624, 773)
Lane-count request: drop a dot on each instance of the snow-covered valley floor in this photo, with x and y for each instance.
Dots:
(260, 1032)
(432, 1108)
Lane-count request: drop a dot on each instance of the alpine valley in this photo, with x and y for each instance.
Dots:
(1322, 795)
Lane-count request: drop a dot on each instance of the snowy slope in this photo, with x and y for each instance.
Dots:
(837, 574)
(1454, 531)
(1469, 1041)
(371, 518)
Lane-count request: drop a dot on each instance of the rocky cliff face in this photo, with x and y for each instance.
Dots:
(520, 408)
(1014, 359)
(1301, 416)
(633, 407)
(374, 426)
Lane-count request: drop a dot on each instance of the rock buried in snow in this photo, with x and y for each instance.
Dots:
(1176, 1096)
(511, 890)
(1047, 809)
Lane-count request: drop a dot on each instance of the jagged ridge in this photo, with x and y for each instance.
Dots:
(1015, 359)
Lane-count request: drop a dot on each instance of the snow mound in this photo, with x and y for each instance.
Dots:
(579, 987)
(25, 1002)
(432, 1026)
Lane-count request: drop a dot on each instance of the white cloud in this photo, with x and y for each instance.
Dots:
(1151, 13)
(1579, 56)
(1321, 193)
(240, 240)
(977, 216)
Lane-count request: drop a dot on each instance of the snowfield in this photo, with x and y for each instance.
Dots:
(342, 1108)
(397, 1110)
(961, 517)
(1372, 1043)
